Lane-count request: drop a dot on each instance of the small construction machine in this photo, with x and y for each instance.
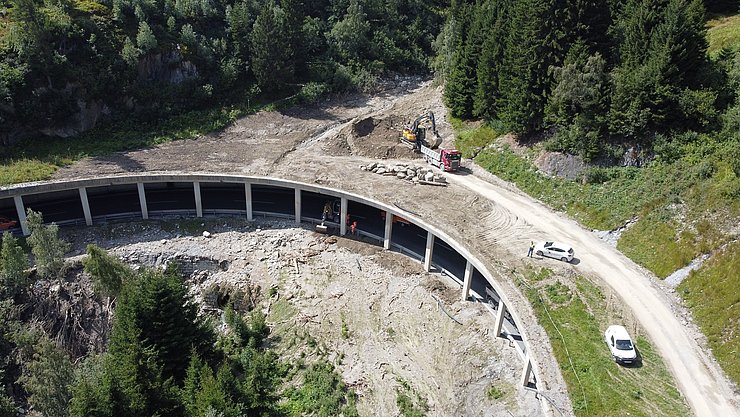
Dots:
(423, 136)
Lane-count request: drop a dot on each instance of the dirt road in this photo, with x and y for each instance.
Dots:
(695, 373)
(326, 145)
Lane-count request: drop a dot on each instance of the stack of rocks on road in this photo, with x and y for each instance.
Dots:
(413, 173)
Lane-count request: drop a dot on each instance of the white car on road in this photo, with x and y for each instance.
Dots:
(620, 344)
(555, 250)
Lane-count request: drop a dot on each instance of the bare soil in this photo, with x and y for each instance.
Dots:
(326, 144)
(371, 312)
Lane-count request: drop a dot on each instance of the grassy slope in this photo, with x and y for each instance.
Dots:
(39, 159)
(723, 32)
(713, 296)
(684, 209)
(598, 386)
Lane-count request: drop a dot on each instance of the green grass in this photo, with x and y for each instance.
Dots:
(470, 141)
(712, 294)
(723, 32)
(659, 195)
(598, 386)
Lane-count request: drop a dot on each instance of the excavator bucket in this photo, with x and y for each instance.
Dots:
(433, 141)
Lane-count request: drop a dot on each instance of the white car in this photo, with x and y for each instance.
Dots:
(620, 344)
(555, 250)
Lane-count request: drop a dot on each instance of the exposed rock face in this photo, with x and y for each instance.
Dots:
(167, 67)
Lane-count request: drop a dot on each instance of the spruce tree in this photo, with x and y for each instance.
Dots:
(489, 65)
(272, 57)
(47, 248)
(13, 265)
(531, 48)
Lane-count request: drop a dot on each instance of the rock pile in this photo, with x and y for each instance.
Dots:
(414, 173)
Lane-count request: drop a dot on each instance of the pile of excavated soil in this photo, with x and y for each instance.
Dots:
(372, 313)
(371, 137)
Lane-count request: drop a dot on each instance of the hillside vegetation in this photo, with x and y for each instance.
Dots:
(658, 121)
(65, 65)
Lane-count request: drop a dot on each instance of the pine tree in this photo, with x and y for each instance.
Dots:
(530, 51)
(13, 264)
(489, 64)
(47, 248)
(459, 84)
(155, 310)
(48, 379)
(272, 58)
(107, 271)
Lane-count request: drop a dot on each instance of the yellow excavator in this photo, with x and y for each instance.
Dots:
(418, 138)
(416, 134)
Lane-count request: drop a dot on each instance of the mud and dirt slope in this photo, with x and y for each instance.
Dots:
(372, 313)
(327, 145)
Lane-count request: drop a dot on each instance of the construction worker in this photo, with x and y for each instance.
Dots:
(327, 212)
(353, 228)
(531, 249)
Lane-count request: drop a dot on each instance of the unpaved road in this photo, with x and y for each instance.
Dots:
(318, 145)
(695, 373)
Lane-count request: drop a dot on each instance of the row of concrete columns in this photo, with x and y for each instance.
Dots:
(467, 278)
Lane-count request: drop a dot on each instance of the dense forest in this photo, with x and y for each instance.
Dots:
(64, 64)
(590, 73)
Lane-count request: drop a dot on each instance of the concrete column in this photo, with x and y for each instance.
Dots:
(388, 229)
(500, 314)
(297, 206)
(248, 195)
(343, 216)
(198, 200)
(467, 281)
(85, 206)
(428, 252)
(526, 372)
(21, 211)
(142, 200)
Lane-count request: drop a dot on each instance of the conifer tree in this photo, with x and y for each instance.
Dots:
(13, 264)
(272, 57)
(524, 78)
(489, 64)
(47, 248)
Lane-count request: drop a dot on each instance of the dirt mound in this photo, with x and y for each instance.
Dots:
(371, 137)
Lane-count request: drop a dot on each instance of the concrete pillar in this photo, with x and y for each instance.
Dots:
(343, 216)
(297, 206)
(142, 200)
(428, 252)
(248, 195)
(198, 200)
(388, 229)
(526, 372)
(21, 211)
(85, 206)
(500, 316)
(467, 281)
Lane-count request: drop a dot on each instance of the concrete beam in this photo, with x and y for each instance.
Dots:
(526, 372)
(428, 252)
(388, 230)
(142, 200)
(85, 206)
(248, 195)
(298, 206)
(21, 211)
(500, 317)
(343, 216)
(467, 281)
(198, 200)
